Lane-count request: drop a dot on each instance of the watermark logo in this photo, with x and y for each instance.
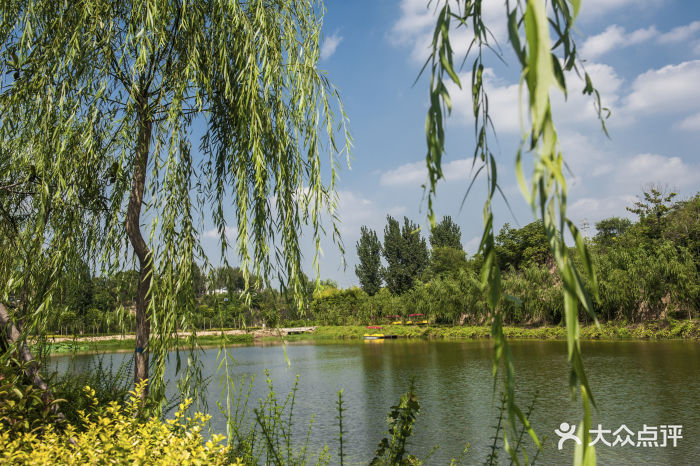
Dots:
(648, 437)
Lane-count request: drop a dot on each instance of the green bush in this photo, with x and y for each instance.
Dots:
(24, 408)
(107, 384)
(332, 306)
(112, 434)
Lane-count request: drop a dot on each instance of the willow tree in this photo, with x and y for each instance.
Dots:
(47, 208)
(543, 61)
(182, 111)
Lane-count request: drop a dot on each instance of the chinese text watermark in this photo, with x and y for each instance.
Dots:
(649, 436)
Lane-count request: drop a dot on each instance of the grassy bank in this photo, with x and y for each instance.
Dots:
(660, 330)
(127, 344)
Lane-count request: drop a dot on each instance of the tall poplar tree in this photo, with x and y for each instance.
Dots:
(406, 255)
(369, 270)
(446, 234)
(121, 92)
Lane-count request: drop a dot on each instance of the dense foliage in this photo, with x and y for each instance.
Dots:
(518, 248)
(643, 276)
(446, 234)
(369, 269)
(405, 253)
(122, 124)
(111, 433)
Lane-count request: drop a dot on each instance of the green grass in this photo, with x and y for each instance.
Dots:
(77, 346)
(659, 330)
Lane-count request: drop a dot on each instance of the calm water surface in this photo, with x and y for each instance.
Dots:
(634, 383)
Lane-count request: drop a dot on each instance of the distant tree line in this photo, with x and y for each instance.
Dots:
(105, 304)
(647, 269)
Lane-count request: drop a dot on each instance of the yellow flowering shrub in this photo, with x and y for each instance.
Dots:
(112, 435)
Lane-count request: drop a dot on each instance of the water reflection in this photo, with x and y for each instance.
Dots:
(635, 383)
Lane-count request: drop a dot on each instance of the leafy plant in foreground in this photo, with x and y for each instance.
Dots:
(402, 417)
(107, 384)
(24, 408)
(339, 417)
(112, 434)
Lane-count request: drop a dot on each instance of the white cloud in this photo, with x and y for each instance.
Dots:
(670, 90)
(503, 102)
(673, 88)
(584, 156)
(614, 37)
(415, 173)
(579, 108)
(416, 24)
(409, 173)
(595, 209)
(644, 169)
(593, 9)
(231, 231)
(416, 15)
(397, 211)
(629, 176)
(691, 123)
(354, 210)
(680, 33)
(472, 246)
(330, 44)
(457, 170)
(505, 111)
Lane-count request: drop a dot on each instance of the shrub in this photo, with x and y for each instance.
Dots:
(113, 435)
(338, 307)
(107, 384)
(24, 408)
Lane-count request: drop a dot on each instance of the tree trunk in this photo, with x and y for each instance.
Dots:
(133, 231)
(12, 335)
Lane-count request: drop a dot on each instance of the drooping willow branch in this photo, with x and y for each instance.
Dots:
(209, 109)
(543, 63)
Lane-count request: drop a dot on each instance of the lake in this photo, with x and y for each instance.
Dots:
(634, 383)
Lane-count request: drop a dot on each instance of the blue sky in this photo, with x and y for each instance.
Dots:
(643, 55)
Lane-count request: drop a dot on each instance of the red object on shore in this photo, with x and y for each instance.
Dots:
(374, 327)
(415, 315)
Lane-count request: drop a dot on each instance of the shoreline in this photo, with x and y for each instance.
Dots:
(615, 331)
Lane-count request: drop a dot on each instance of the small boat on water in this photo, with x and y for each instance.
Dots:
(377, 335)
